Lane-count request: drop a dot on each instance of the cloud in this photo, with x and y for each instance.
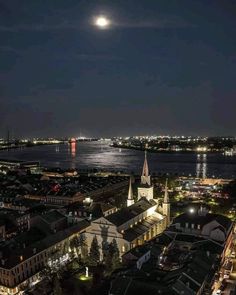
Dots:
(161, 23)
(40, 27)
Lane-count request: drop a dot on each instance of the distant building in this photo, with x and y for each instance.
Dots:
(137, 256)
(53, 220)
(93, 210)
(32, 166)
(62, 195)
(214, 227)
(13, 223)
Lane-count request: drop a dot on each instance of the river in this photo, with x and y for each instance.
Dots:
(99, 155)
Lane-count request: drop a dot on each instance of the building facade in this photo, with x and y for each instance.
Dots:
(20, 266)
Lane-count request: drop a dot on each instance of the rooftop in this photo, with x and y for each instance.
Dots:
(125, 214)
(140, 228)
(203, 219)
(52, 216)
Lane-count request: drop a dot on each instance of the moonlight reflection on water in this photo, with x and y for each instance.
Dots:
(99, 155)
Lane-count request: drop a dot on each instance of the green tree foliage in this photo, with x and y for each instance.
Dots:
(94, 254)
(107, 257)
(84, 251)
(115, 255)
(112, 256)
(79, 245)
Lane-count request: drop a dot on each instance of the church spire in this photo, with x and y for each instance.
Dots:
(130, 200)
(145, 178)
(166, 196)
(130, 193)
(145, 166)
(166, 205)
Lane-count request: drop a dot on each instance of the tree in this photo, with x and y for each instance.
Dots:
(84, 247)
(107, 257)
(94, 254)
(115, 255)
(79, 245)
(112, 256)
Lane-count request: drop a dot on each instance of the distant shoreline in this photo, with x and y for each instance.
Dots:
(7, 148)
(162, 151)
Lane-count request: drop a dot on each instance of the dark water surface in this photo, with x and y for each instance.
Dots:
(89, 155)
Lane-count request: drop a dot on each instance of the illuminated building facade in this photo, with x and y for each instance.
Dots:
(20, 265)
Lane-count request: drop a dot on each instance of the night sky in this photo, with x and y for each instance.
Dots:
(163, 67)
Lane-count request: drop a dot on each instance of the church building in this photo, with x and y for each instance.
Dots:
(138, 222)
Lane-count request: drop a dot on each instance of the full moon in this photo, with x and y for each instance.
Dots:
(102, 22)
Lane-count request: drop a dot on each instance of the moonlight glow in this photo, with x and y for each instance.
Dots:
(102, 22)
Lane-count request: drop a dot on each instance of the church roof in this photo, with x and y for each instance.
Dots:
(141, 228)
(125, 214)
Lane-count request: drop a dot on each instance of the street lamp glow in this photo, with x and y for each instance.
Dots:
(102, 22)
(191, 210)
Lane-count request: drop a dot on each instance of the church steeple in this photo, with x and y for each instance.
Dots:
(130, 200)
(145, 166)
(166, 204)
(166, 196)
(145, 178)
